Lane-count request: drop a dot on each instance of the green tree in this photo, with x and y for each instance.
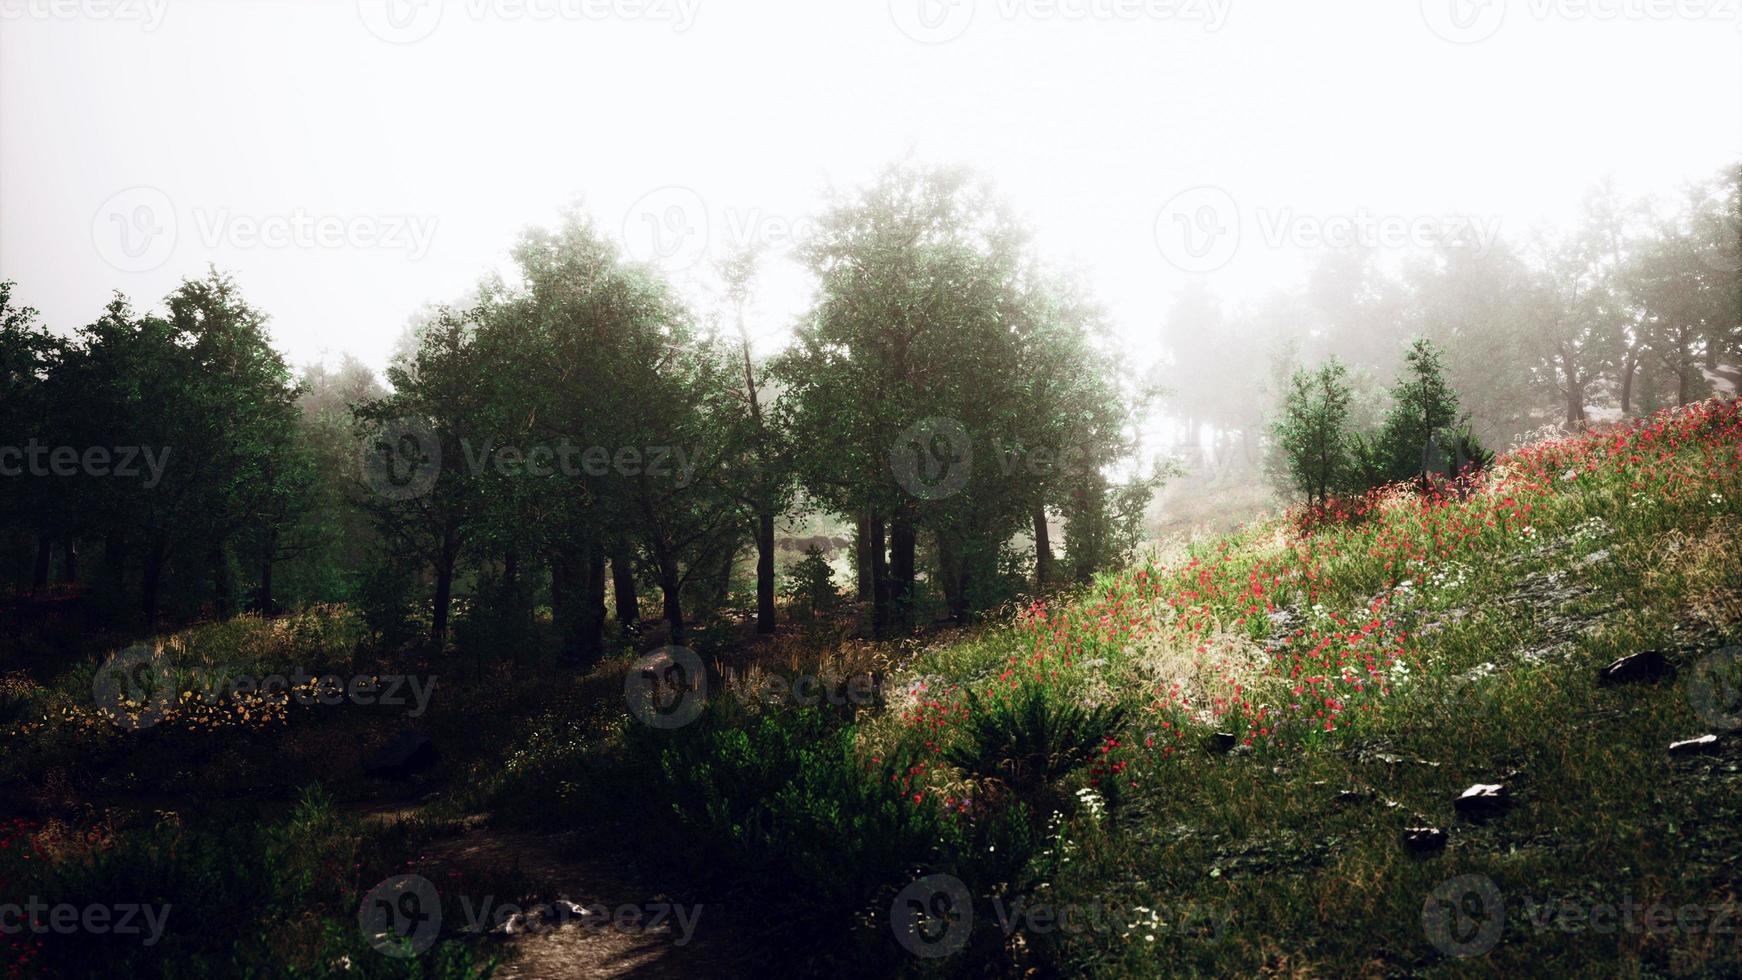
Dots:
(1312, 430)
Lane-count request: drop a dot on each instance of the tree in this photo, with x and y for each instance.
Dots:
(1312, 430)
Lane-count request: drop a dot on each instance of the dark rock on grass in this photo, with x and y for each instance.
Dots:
(1353, 796)
(1651, 665)
(1700, 745)
(1483, 801)
(404, 755)
(1221, 742)
(1424, 841)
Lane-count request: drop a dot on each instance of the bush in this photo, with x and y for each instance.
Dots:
(810, 584)
(1027, 739)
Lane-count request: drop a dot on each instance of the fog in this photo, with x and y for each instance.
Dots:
(352, 162)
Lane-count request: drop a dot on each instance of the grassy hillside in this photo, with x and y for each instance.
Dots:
(1205, 765)
(1212, 763)
(1370, 669)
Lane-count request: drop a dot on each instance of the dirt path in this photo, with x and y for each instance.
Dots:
(615, 926)
(641, 932)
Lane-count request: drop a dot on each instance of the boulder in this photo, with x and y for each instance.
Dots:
(1694, 746)
(1423, 841)
(404, 755)
(1649, 665)
(1483, 800)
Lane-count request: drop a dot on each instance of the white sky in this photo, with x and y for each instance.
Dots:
(209, 117)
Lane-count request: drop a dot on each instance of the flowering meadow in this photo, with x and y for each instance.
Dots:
(1298, 693)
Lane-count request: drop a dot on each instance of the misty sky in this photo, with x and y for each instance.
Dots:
(351, 161)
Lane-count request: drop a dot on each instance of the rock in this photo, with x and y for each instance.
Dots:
(1353, 796)
(1423, 841)
(1221, 742)
(1649, 665)
(1483, 800)
(1694, 746)
(404, 755)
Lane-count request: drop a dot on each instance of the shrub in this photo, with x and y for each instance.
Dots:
(1028, 739)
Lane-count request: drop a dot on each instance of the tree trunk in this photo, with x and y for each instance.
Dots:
(1629, 367)
(263, 594)
(1042, 550)
(670, 585)
(69, 572)
(623, 585)
(765, 573)
(577, 602)
(595, 645)
(151, 580)
(862, 557)
(902, 539)
(510, 567)
(218, 559)
(44, 556)
(438, 632)
(879, 580)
